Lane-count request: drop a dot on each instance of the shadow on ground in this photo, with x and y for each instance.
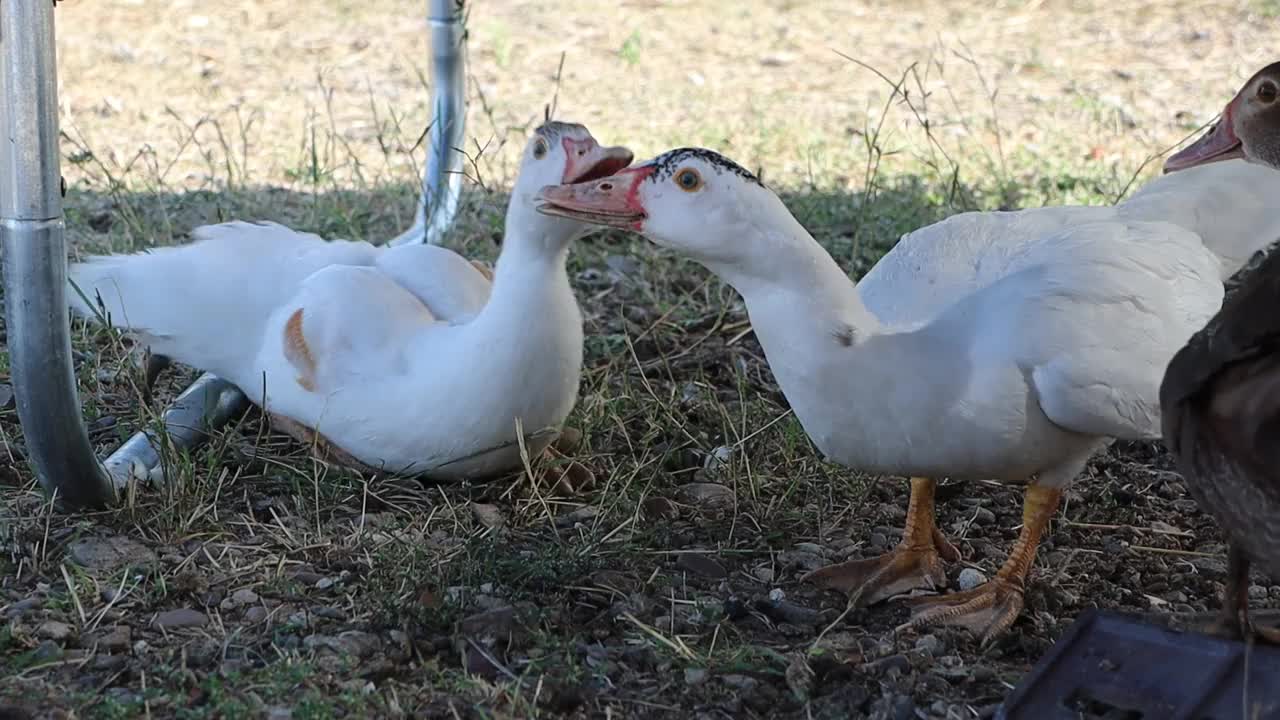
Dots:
(263, 584)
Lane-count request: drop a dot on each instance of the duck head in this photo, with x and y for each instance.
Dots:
(1249, 127)
(692, 200)
(558, 153)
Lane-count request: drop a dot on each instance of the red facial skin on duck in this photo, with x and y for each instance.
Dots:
(612, 201)
(586, 160)
(1220, 143)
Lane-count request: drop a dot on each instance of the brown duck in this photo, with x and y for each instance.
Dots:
(1220, 399)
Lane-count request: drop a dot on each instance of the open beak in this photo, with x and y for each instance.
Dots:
(1220, 143)
(611, 201)
(588, 161)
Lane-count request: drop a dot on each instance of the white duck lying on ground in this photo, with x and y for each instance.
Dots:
(407, 359)
(1020, 380)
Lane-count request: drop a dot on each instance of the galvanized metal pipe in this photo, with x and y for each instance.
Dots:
(442, 177)
(35, 260)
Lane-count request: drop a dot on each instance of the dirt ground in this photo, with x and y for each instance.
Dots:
(260, 583)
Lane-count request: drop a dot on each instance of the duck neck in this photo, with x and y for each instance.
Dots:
(830, 355)
(1231, 205)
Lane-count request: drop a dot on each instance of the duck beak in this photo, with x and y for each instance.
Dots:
(586, 160)
(611, 201)
(1220, 143)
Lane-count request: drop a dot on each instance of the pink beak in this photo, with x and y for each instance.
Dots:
(611, 201)
(1220, 143)
(586, 160)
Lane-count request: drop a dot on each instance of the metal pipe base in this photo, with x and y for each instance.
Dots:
(44, 384)
(206, 404)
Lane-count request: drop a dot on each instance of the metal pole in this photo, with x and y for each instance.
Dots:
(35, 260)
(211, 401)
(442, 178)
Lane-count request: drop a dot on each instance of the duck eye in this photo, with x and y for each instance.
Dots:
(688, 179)
(1267, 92)
(539, 149)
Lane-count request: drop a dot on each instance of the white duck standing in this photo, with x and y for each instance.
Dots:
(407, 359)
(1020, 380)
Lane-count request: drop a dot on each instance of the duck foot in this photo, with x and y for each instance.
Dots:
(153, 365)
(916, 563)
(321, 448)
(571, 477)
(1233, 622)
(986, 610)
(992, 607)
(484, 268)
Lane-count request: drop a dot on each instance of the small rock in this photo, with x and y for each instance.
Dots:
(804, 560)
(111, 553)
(777, 595)
(1257, 592)
(718, 459)
(763, 574)
(892, 663)
(983, 517)
(488, 515)
(659, 507)
(279, 712)
(54, 630)
(740, 682)
(115, 639)
(6, 396)
(325, 583)
(695, 676)
(930, 645)
(23, 606)
(256, 614)
(47, 651)
(586, 513)
(971, 578)
(239, 598)
(180, 618)
(707, 495)
(700, 564)
(813, 548)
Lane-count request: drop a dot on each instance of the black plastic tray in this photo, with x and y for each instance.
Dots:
(1110, 666)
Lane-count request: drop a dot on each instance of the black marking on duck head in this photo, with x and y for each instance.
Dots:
(668, 162)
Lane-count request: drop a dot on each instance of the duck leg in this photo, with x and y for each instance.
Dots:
(321, 448)
(574, 477)
(991, 608)
(1234, 621)
(915, 563)
(484, 269)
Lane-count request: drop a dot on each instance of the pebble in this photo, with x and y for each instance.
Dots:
(255, 614)
(718, 459)
(584, 514)
(488, 515)
(930, 644)
(110, 553)
(180, 618)
(983, 517)
(1257, 592)
(22, 606)
(695, 676)
(971, 578)
(700, 564)
(659, 507)
(115, 639)
(763, 574)
(707, 495)
(54, 630)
